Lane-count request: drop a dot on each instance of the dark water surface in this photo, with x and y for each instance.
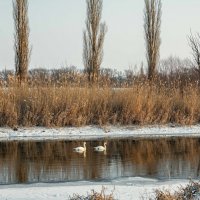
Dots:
(55, 161)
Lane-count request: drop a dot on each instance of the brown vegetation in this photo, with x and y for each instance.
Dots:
(94, 196)
(77, 106)
(190, 192)
(62, 97)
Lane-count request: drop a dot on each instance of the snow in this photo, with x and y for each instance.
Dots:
(95, 132)
(126, 189)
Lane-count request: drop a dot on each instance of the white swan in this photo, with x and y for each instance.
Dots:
(101, 148)
(80, 149)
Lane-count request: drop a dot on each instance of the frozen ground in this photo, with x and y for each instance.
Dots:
(123, 189)
(94, 132)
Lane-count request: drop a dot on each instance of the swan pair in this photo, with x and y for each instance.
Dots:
(83, 149)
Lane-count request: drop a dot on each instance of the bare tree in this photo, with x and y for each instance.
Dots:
(152, 24)
(21, 44)
(194, 42)
(93, 39)
(174, 65)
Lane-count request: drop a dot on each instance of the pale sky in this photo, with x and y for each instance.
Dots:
(56, 29)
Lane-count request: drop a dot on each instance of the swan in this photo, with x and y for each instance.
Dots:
(101, 148)
(80, 149)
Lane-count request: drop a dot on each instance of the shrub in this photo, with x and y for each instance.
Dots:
(190, 192)
(94, 196)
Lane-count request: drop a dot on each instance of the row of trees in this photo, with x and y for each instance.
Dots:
(93, 39)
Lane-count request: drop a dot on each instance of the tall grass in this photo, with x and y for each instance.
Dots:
(77, 106)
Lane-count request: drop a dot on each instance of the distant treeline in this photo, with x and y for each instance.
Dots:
(172, 70)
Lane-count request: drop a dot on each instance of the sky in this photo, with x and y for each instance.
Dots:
(56, 30)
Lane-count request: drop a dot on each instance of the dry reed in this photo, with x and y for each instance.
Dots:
(94, 196)
(76, 106)
(190, 192)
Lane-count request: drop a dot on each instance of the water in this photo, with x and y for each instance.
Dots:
(55, 161)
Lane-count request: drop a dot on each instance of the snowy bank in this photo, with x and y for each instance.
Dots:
(125, 189)
(94, 132)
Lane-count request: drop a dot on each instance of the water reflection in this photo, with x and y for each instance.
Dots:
(55, 161)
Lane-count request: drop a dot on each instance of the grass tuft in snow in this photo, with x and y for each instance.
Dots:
(190, 192)
(94, 196)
